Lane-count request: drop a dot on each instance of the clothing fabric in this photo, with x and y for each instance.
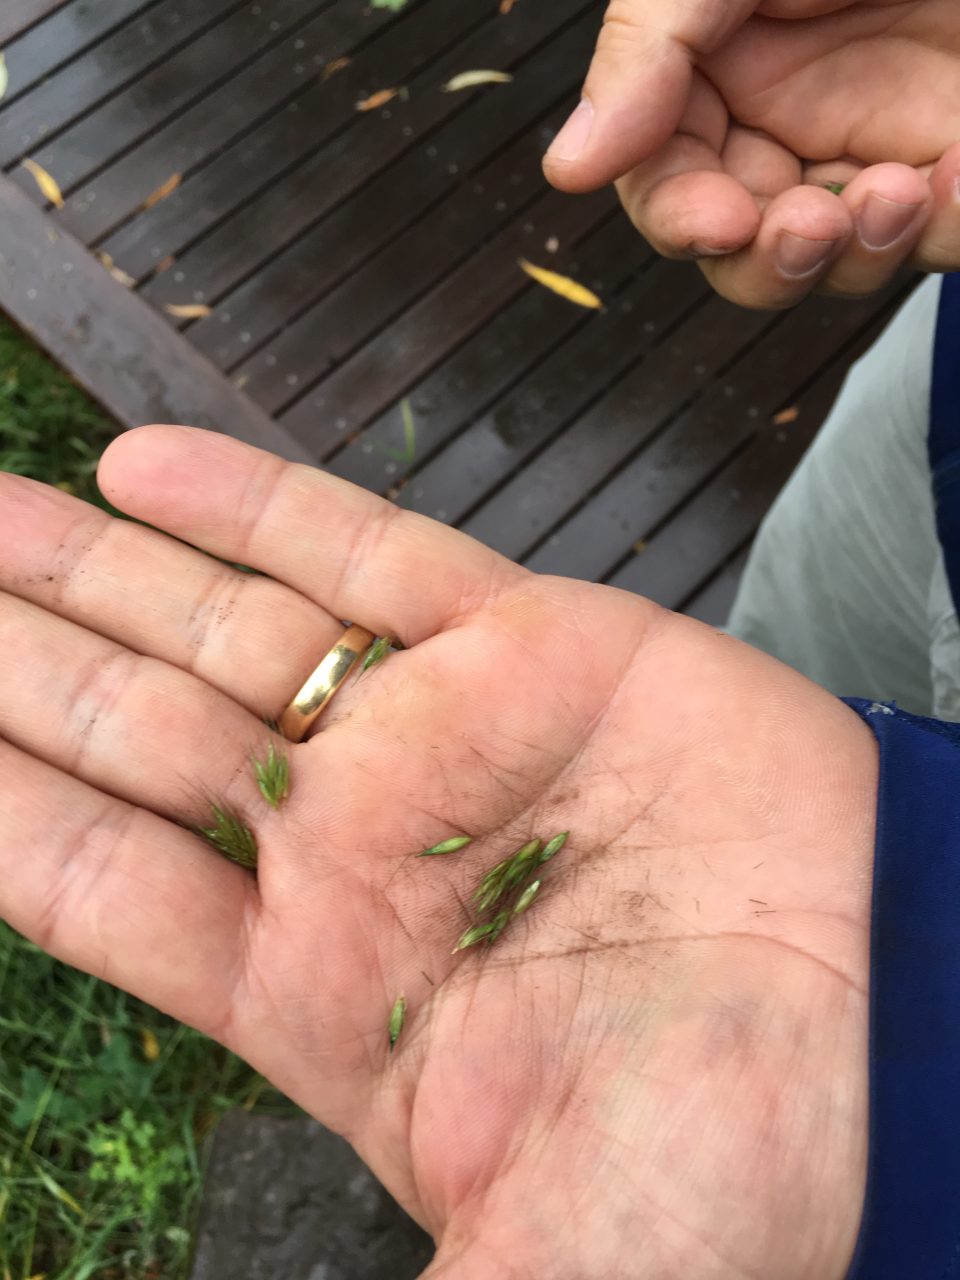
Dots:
(855, 580)
(911, 1222)
(846, 581)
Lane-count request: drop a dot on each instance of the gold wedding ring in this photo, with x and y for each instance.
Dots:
(324, 682)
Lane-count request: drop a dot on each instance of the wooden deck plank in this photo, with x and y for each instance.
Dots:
(714, 601)
(18, 15)
(62, 37)
(139, 368)
(390, 282)
(410, 189)
(168, 87)
(278, 102)
(559, 392)
(685, 553)
(659, 475)
(472, 380)
(467, 300)
(678, 370)
(249, 173)
(121, 59)
(221, 261)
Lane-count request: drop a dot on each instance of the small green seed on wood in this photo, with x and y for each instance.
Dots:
(397, 1017)
(553, 848)
(454, 845)
(526, 899)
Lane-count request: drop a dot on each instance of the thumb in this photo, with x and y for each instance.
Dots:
(638, 85)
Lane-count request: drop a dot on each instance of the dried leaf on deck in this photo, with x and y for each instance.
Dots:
(4, 75)
(46, 182)
(188, 310)
(377, 100)
(786, 416)
(470, 79)
(506, 5)
(564, 286)
(338, 64)
(165, 189)
(118, 273)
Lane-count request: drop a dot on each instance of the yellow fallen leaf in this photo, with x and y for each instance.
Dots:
(336, 65)
(377, 100)
(563, 285)
(46, 182)
(4, 75)
(188, 310)
(786, 416)
(118, 273)
(150, 1044)
(165, 189)
(470, 79)
(507, 5)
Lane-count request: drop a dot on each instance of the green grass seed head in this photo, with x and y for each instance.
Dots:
(453, 845)
(527, 898)
(273, 777)
(231, 836)
(376, 653)
(397, 1017)
(553, 848)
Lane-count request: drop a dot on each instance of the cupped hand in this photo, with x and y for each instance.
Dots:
(660, 1069)
(725, 121)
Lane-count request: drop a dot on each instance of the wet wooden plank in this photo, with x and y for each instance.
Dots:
(236, 249)
(685, 553)
(409, 189)
(472, 380)
(67, 33)
(654, 481)
(376, 294)
(582, 457)
(17, 15)
(467, 300)
(116, 347)
(116, 61)
(129, 116)
(576, 375)
(713, 602)
(277, 97)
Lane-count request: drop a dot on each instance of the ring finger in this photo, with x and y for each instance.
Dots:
(244, 634)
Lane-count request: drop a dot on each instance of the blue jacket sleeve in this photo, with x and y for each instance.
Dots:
(911, 1220)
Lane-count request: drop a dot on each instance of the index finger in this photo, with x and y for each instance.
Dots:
(357, 555)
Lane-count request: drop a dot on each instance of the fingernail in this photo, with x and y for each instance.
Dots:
(797, 256)
(574, 135)
(883, 221)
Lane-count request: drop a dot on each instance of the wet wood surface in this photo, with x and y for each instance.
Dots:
(350, 271)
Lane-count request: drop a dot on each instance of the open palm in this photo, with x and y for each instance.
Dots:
(660, 1069)
(726, 121)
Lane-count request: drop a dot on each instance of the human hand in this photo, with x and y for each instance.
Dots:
(658, 1070)
(724, 121)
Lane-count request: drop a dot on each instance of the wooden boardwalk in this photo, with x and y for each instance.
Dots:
(341, 261)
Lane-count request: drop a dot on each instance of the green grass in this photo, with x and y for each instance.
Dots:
(48, 428)
(104, 1103)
